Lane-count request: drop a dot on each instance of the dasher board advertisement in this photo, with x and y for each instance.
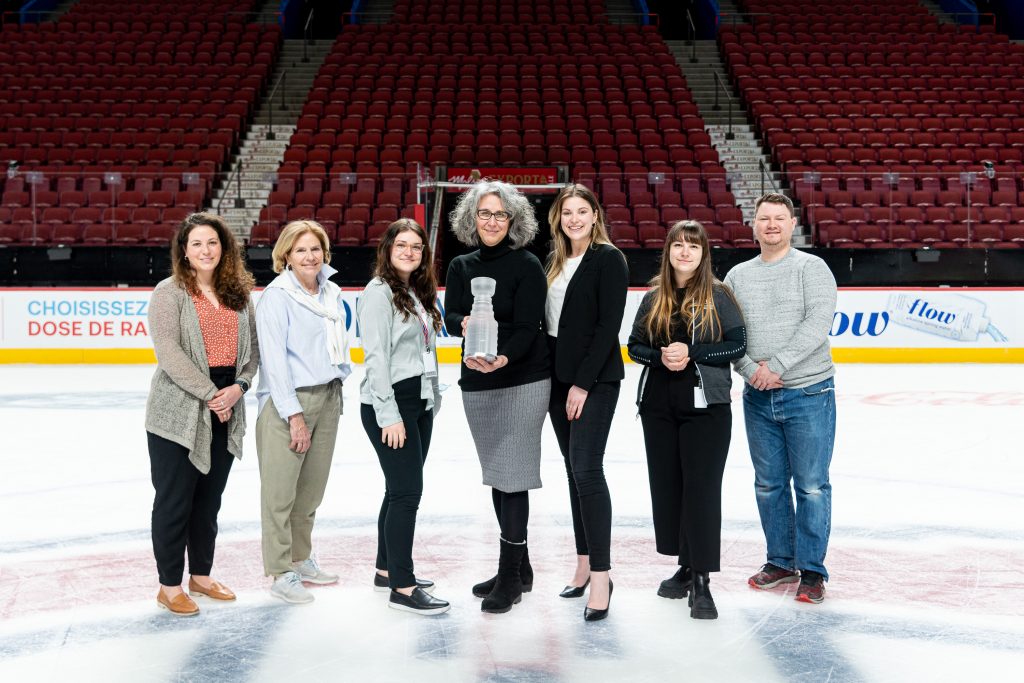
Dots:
(883, 325)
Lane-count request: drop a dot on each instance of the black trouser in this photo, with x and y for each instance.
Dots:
(582, 443)
(403, 480)
(187, 501)
(686, 452)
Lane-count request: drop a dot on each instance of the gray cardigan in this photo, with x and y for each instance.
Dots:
(176, 409)
(393, 349)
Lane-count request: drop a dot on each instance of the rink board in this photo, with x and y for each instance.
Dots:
(871, 325)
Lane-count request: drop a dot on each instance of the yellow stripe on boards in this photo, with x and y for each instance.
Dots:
(453, 354)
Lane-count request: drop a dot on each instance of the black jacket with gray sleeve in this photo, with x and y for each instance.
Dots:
(711, 357)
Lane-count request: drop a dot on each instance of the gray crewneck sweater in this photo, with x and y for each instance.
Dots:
(788, 308)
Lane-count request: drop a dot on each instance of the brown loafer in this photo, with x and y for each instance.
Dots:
(216, 591)
(181, 605)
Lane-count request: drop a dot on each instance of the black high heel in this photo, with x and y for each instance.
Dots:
(590, 614)
(574, 591)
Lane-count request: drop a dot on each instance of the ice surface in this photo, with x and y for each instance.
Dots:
(926, 557)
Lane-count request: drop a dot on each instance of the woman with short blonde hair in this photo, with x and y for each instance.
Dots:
(302, 322)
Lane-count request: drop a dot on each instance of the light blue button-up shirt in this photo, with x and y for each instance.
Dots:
(293, 346)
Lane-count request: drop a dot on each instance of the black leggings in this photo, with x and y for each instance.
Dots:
(187, 501)
(403, 480)
(583, 443)
(513, 513)
(686, 452)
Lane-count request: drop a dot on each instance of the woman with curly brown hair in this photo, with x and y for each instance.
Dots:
(399, 322)
(204, 333)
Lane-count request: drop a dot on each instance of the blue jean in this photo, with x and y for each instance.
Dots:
(791, 433)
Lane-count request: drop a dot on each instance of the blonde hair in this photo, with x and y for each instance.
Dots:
(560, 247)
(292, 232)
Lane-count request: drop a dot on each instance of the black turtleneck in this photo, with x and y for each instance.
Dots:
(518, 307)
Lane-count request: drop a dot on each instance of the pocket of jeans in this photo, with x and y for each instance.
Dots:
(819, 388)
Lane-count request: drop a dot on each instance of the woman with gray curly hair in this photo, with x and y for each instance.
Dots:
(505, 399)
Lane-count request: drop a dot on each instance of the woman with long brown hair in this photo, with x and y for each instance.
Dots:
(687, 329)
(587, 285)
(204, 333)
(399, 396)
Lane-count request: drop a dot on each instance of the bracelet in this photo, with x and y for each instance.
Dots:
(242, 384)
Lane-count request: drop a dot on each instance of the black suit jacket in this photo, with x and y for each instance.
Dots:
(587, 348)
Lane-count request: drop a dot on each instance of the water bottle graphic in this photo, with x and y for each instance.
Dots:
(482, 329)
(945, 315)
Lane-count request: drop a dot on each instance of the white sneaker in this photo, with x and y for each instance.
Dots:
(288, 587)
(311, 572)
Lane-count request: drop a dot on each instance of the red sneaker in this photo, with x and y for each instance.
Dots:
(812, 587)
(771, 576)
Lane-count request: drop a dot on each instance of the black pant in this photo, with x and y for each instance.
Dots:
(403, 480)
(582, 443)
(187, 501)
(686, 452)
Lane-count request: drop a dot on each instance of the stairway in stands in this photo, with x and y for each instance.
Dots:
(253, 170)
(742, 154)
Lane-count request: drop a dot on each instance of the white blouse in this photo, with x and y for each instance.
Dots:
(556, 294)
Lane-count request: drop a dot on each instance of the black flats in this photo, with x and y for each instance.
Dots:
(676, 587)
(420, 602)
(590, 614)
(380, 584)
(574, 591)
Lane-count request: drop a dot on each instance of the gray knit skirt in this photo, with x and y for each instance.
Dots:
(506, 425)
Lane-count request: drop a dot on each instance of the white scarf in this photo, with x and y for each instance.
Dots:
(333, 320)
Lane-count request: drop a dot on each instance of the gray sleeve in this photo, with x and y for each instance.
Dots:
(820, 295)
(165, 329)
(376, 313)
(745, 366)
(249, 371)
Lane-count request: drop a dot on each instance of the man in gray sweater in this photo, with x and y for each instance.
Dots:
(788, 299)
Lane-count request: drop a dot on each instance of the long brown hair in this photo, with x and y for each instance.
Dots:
(232, 281)
(560, 245)
(697, 308)
(422, 281)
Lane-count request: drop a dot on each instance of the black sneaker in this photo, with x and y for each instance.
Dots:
(812, 587)
(676, 587)
(380, 584)
(419, 602)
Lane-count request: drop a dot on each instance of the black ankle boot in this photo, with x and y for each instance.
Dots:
(484, 588)
(508, 589)
(702, 605)
(676, 587)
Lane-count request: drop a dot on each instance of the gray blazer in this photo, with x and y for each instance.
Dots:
(176, 409)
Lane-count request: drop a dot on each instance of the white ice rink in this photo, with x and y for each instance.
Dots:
(926, 556)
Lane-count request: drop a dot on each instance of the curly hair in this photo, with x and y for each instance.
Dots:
(522, 226)
(422, 281)
(231, 279)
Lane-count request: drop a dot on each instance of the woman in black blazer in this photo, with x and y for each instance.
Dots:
(587, 284)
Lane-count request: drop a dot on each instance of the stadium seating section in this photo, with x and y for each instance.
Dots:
(120, 115)
(883, 120)
(477, 84)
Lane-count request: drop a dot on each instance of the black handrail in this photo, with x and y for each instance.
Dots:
(306, 39)
(270, 101)
(717, 107)
(693, 37)
(766, 172)
(239, 200)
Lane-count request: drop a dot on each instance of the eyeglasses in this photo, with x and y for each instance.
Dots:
(402, 246)
(500, 216)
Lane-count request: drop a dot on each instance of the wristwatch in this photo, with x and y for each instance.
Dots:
(243, 384)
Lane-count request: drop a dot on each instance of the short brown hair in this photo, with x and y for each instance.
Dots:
(292, 232)
(775, 198)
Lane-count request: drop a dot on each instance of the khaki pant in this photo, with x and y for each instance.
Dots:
(292, 484)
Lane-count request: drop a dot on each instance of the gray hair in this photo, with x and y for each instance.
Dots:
(522, 226)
